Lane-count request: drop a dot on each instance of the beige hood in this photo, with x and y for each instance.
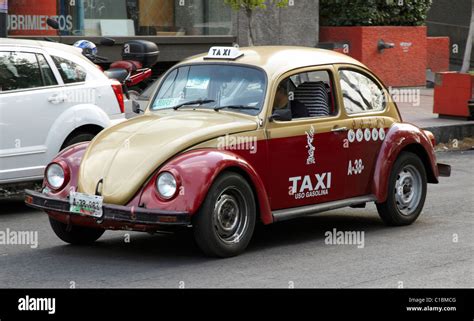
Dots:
(125, 155)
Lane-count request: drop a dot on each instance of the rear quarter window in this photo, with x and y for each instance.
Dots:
(360, 93)
(70, 71)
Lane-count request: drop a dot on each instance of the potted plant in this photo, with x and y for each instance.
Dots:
(388, 36)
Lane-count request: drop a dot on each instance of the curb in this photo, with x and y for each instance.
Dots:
(444, 134)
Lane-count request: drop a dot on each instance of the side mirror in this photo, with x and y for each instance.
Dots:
(136, 107)
(281, 114)
(52, 23)
(109, 42)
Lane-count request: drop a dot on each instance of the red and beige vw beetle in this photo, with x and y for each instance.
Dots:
(240, 135)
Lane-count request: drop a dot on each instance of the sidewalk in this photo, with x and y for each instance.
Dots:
(422, 116)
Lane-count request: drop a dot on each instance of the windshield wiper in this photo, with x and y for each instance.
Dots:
(236, 107)
(198, 102)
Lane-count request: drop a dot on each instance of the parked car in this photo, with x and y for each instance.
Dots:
(51, 97)
(233, 137)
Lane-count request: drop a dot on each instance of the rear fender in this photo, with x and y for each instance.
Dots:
(402, 137)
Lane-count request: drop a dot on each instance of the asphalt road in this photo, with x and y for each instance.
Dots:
(436, 251)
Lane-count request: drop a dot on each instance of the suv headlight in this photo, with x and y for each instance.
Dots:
(166, 185)
(55, 176)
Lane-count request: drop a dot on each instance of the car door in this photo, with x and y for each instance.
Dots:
(30, 100)
(307, 154)
(364, 100)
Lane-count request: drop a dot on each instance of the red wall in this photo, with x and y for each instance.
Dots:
(39, 9)
(452, 92)
(399, 66)
(438, 54)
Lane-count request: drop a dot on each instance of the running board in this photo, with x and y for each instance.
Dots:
(289, 213)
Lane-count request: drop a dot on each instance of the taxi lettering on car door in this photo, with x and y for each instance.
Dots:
(305, 141)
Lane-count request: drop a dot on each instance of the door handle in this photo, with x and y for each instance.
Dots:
(56, 99)
(339, 129)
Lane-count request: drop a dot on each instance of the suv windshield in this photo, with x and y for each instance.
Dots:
(213, 85)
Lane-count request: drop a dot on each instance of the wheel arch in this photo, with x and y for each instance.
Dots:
(419, 151)
(399, 138)
(198, 170)
(84, 129)
(238, 170)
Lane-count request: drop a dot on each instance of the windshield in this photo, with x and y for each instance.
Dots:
(214, 85)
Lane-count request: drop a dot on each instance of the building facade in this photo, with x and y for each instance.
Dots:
(180, 27)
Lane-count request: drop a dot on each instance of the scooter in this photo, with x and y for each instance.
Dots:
(134, 71)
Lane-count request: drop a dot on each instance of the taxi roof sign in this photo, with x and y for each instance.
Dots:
(226, 53)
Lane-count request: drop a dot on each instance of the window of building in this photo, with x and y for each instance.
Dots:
(120, 17)
(360, 93)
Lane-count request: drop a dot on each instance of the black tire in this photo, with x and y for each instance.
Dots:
(76, 235)
(406, 191)
(225, 222)
(79, 138)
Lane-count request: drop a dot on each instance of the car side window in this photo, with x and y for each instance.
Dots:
(360, 93)
(46, 72)
(304, 95)
(19, 70)
(70, 71)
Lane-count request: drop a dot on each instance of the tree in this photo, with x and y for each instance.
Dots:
(248, 6)
(467, 53)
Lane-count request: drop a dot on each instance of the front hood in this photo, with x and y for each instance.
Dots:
(125, 155)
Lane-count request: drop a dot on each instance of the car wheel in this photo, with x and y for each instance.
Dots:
(406, 191)
(225, 222)
(79, 138)
(77, 235)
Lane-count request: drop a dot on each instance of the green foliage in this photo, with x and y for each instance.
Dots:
(254, 4)
(373, 12)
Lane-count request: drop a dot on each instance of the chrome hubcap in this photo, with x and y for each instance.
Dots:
(230, 215)
(408, 190)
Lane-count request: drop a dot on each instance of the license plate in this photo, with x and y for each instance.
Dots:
(85, 204)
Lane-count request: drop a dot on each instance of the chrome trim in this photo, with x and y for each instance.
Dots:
(339, 129)
(290, 213)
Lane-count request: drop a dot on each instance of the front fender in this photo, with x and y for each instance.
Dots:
(400, 137)
(72, 156)
(196, 170)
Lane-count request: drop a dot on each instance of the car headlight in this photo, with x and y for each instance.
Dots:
(166, 185)
(55, 176)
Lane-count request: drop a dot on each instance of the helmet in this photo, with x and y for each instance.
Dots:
(88, 47)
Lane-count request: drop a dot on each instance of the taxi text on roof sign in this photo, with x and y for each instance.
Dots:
(230, 53)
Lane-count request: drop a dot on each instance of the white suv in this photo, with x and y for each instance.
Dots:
(50, 97)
